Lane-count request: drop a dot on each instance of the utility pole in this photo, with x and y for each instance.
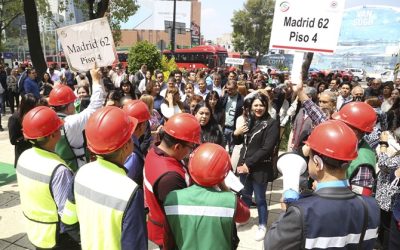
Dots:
(173, 30)
(396, 69)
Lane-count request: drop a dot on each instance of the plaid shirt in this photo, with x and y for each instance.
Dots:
(314, 112)
(364, 177)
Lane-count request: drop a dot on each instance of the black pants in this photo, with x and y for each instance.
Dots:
(64, 242)
(394, 241)
(13, 98)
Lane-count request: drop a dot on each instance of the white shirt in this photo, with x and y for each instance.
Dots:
(168, 112)
(75, 124)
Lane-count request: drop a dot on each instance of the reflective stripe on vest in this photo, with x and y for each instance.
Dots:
(156, 166)
(35, 168)
(331, 242)
(199, 211)
(102, 193)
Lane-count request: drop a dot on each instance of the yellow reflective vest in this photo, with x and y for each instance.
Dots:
(35, 168)
(102, 193)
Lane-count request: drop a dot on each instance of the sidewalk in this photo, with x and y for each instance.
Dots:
(12, 232)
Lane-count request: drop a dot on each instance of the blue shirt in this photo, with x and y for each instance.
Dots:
(340, 183)
(31, 86)
(135, 163)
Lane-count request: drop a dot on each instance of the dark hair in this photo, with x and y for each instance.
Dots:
(49, 81)
(28, 102)
(348, 84)
(264, 101)
(85, 87)
(321, 84)
(169, 140)
(29, 70)
(177, 71)
(209, 132)
(214, 94)
(150, 85)
(132, 91)
(332, 163)
(114, 95)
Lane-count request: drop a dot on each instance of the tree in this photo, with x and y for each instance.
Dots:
(167, 66)
(33, 32)
(9, 11)
(96, 9)
(144, 53)
(252, 26)
(120, 11)
(306, 65)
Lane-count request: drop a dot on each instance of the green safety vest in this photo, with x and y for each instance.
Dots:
(65, 151)
(102, 193)
(201, 218)
(366, 156)
(35, 168)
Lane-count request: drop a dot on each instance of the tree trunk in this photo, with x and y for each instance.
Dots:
(32, 29)
(306, 65)
(101, 8)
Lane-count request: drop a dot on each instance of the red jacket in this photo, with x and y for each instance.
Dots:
(157, 165)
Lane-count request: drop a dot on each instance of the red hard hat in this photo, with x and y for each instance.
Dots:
(209, 164)
(40, 122)
(183, 126)
(137, 109)
(359, 115)
(108, 129)
(61, 95)
(334, 139)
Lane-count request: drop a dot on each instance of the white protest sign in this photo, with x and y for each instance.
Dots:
(87, 43)
(237, 61)
(307, 25)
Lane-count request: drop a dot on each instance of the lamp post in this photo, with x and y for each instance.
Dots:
(173, 30)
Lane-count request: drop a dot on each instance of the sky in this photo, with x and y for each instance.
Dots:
(216, 16)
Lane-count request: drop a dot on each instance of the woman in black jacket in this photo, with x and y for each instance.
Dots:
(17, 139)
(259, 135)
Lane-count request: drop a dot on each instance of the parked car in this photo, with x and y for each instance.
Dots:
(343, 74)
(387, 75)
(358, 74)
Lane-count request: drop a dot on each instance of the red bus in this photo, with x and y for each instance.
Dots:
(56, 59)
(206, 56)
(122, 57)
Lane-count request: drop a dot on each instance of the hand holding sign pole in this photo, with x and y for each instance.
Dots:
(88, 44)
(306, 26)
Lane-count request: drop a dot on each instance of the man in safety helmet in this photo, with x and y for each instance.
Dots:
(43, 180)
(333, 217)
(71, 146)
(135, 162)
(103, 199)
(164, 172)
(360, 117)
(200, 216)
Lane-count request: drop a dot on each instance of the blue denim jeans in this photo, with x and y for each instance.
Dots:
(259, 192)
(228, 139)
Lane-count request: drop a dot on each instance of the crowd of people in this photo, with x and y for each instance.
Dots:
(109, 160)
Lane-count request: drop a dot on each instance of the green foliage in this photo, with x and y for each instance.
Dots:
(167, 66)
(144, 53)
(120, 11)
(252, 26)
(9, 11)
